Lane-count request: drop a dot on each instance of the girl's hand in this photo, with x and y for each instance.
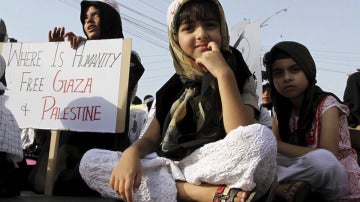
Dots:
(126, 176)
(73, 39)
(57, 34)
(213, 61)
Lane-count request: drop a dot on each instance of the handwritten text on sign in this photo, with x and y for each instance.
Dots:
(52, 86)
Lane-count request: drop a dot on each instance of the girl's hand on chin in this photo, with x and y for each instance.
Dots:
(212, 60)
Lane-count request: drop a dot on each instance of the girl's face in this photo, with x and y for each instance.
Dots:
(289, 79)
(194, 36)
(265, 99)
(92, 23)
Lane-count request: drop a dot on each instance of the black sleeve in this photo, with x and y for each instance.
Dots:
(352, 99)
(3, 80)
(240, 68)
(136, 71)
(166, 96)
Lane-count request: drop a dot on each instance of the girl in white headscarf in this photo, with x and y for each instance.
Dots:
(203, 129)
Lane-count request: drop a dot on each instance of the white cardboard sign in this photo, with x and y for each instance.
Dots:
(52, 86)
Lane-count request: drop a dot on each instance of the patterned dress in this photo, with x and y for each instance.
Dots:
(347, 155)
(10, 141)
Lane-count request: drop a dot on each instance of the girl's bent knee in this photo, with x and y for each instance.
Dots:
(90, 153)
(322, 158)
(324, 162)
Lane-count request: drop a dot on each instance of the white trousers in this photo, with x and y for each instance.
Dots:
(320, 168)
(245, 158)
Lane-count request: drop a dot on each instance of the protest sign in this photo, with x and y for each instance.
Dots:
(245, 37)
(52, 86)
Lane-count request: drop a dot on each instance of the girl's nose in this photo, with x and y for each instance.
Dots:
(201, 33)
(266, 93)
(287, 76)
(89, 19)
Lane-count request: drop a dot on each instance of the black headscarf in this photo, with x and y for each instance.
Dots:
(313, 95)
(110, 20)
(111, 28)
(352, 99)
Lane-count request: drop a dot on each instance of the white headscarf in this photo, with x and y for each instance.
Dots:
(184, 65)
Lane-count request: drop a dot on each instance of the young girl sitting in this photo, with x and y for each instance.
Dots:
(203, 124)
(310, 126)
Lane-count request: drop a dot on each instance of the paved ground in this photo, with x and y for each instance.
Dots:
(28, 196)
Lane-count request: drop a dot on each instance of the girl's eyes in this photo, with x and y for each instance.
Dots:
(295, 69)
(277, 73)
(96, 13)
(292, 70)
(189, 27)
(211, 24)
(186, 27)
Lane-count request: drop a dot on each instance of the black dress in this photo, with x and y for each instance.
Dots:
(189, 137)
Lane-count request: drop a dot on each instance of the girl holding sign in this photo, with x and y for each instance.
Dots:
(100, 20)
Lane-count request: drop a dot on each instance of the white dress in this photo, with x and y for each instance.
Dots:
(245, 158)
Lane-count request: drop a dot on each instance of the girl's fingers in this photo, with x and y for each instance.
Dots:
(62, 32)
(202, 67)
(50, 36)
(128, 188)
(116, 186)
(213, 46)
(137, 182)
(57, 32)
(69, 34)
(78, 40)
(112, 181)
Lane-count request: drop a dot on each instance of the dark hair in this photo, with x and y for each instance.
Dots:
(136, 100)
(200, 9)
(312, 95)
(2, 37)
(110, 21)
(149, 100)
